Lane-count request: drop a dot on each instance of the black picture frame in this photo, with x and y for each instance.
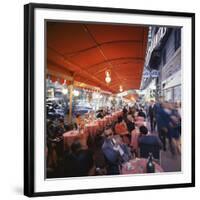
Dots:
(29, 95)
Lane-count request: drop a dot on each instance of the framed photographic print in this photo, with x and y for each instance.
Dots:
(108, 99)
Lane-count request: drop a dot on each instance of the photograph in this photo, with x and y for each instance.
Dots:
(108, 99)
(113, 99)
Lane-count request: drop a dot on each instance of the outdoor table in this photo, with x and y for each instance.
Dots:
(104, 122)
(138, 166)
(112, 118)
(115, 116)
(92, 127)
(108, 119)
(101, 124)
(70, 136)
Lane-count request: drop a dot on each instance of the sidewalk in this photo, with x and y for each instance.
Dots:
(169, 163)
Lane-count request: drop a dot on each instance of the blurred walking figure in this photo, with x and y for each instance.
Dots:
(163, 121)
(152, 115)
(175, 125)
(168, 122)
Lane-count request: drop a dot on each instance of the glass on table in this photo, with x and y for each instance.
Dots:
(129, 166)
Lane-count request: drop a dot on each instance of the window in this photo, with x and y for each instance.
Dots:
(177, 38)
(177, 93)
(164, 57)
(156, 30)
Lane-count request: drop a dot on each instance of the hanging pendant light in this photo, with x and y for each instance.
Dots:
(108, 78)
(64, 82)
(64, 88)
(120, 88)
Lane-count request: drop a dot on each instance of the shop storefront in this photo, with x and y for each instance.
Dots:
(67, 100)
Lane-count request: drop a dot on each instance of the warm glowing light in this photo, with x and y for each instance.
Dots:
(64, 83)
(107, 73)
(110, 98)
(108, 78)
(76, 93)
(64, 91)
(120, 88)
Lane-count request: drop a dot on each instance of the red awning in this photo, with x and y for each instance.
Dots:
(86, 51)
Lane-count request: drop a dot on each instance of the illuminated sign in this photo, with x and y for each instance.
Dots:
(154, 73)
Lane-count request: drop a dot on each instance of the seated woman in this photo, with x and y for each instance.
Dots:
(135, 133)
(79, 120)
(86, 118)
(130, 123)
(92, 116)
(140, 121)
(120, 127)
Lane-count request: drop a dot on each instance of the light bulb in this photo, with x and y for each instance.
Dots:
(107, 73)
(64, 91)
(108, 79)
(64, 83)
(120, 88)
(76, 93)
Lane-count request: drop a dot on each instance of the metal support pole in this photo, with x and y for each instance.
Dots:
(71, 88)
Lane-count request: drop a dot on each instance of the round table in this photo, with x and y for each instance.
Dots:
(108, 119)
(102, 123)
(138, 166)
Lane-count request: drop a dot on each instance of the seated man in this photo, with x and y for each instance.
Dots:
(79, 121)
(130, 123)
(83, 162)
(112, 156)
(114, 153)
(99, 158)
(126, 150)
(100, 114)
(148, 143)
(141, 113)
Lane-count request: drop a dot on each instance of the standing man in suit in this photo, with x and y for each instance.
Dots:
(152, 115)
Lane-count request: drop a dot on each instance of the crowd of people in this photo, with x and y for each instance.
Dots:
(142, 129)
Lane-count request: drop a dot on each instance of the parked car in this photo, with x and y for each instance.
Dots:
(55, 108)
(81, 108)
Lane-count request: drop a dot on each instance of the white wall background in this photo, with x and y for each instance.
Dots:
(11, 98)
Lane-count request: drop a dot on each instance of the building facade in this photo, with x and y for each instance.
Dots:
(164, 56)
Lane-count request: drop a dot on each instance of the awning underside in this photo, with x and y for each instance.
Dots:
(86, 51)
